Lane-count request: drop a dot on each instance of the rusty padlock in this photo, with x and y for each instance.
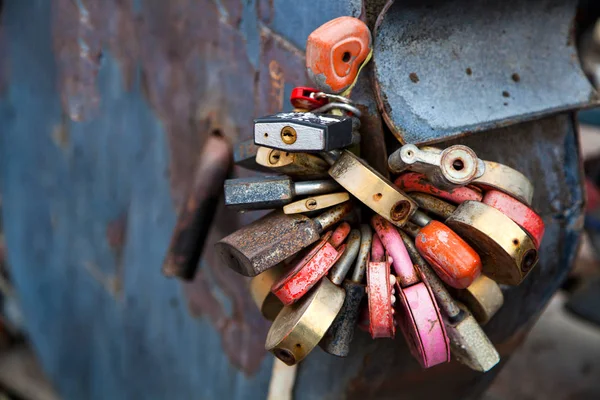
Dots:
(339, 336)
(419, 317)
(244, 155)
(308, 271)
(507, 252)
(455, 262)
(260, 193)
(300, 327)
(483, 297)
(379, 292)
(315, 203)
(416, 182)
(468, 343)
(260, 290)
(336, 52)
(273, 238)
(304, 132)
(300, 166)
(371, 188)
(524, 216)
(458, 165)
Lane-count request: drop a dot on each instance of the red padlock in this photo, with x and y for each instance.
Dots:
(314, 266)
(416, 182)
(335, 53)
(454, 261)
(379, 293)
(524, 216)
(304, 98)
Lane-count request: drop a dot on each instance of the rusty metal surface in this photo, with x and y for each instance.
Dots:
(447, 68)
(93, 203)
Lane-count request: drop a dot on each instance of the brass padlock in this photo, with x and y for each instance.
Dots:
(483, 297)
(273, 238)
(372, 189)
(300, 327)
(340, 334)
(468, 343)
(315, 203)
(458, 165)
(260, 290)
(244, 155)
(507, 252)
(296, 165)
(265, 192)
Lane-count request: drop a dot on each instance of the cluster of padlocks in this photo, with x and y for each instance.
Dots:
(427, 258)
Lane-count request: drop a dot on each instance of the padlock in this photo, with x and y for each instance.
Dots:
(419, 317)
(300, 327)
(458, 166)
(483, 297)
(259, 193)
(260, 290)
(316, 203)
(304, 98)
(303, 132)
(415, 182)
(336, 52)
(339, 336)
(306, 273)
(507, 252)
(455, 262)
(371, 188)
(303, 166)
(524, 216)
(379, 292)
(468, 343)
(273, 238)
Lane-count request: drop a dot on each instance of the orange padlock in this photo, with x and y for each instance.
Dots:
(455, 262)
(335, 53)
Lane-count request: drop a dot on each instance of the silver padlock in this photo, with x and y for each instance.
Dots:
(304, 132)
(261, 193)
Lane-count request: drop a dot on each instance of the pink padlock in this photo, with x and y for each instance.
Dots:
(418, 317)
(379, 293)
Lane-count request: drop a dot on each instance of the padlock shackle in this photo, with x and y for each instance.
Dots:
(392, 241)
(420, 218)
(333, 216)
(340, 269)
(340, 234)
(360, 267)
(315, 187)
(411, 229)
(445, 300)
(331, 156)
(433, 205)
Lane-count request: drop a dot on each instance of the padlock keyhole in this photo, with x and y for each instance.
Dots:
(346, 56)
(458, 164)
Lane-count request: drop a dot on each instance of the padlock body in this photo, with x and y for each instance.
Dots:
(524, 216)
(303, 276)
(260, 290)
(470, 345)
(262, 244)
(338, 338)
(300, 327)
(303, 132)
(507, 252)
(299, 166)
(483, 298)
(258, 193)
(335, 52)
(454, 261)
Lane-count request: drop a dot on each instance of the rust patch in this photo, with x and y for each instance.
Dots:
(413, 77)
(116, 231)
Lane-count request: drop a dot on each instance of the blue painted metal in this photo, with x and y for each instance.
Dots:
(88, 207)
(449, 68)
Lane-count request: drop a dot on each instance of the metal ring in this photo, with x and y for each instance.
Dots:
(340, 106)
(331, 97)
